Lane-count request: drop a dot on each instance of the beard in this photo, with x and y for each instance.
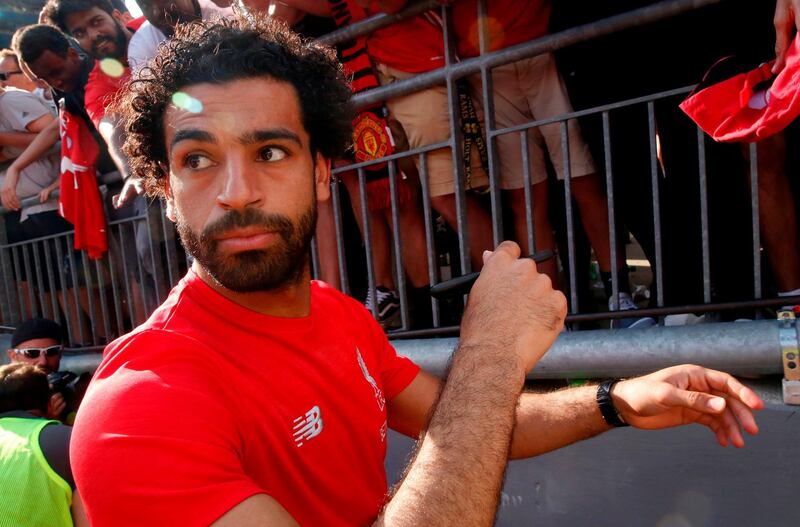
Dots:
(120, 45)
(280, 265)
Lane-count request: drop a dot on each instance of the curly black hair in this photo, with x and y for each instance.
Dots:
(244, 46)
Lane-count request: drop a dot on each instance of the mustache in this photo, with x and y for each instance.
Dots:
(101, 40)
(249, 218)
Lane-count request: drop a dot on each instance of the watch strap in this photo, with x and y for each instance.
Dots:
(606, 404)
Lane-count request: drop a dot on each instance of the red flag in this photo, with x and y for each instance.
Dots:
(79, 201)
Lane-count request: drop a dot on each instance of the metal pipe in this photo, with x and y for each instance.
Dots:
(740, 348)
(551, 42)
(370, 24)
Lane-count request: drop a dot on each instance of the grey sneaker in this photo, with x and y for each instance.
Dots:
(625, 304)
(387, 312)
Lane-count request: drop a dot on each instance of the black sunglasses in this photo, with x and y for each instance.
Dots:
(33, 353)
(6, 75)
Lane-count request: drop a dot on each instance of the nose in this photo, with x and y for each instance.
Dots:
(41, 360)
(240, 187)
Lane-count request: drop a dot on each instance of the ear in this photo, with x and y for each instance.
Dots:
(117, 15)
(10, 354)
(169, 198)
(322, 177)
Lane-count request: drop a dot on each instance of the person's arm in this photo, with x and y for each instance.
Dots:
(44, 141)
(78, 511)
(16, 139)
(111, 130)
(787, 20)
(512, 318)
(547, 421)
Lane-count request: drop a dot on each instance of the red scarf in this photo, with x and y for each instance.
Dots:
(372, 138)
(79, 198)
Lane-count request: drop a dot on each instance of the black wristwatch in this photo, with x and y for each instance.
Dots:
(606, 404)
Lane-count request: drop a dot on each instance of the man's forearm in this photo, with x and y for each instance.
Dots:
(114, 136)
(547, 421)
(16, 139)
(458, 470)
(43, 141)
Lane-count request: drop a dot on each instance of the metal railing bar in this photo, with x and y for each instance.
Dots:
(548, 43)
(612, 223)
(397, 236)
(573, 290)
(702, 168)
(651, 124)
(430, 245)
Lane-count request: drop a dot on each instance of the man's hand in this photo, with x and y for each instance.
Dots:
(786, 22)
(56, 406)
(8, 194)
(512, 307)
(44, 194)
(689, 394)
(132, 187)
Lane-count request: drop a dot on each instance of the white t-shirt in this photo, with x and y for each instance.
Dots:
(19, 108)
(144, 42)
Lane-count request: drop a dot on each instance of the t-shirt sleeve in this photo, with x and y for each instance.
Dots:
(22, 108)
(152, 445)
(101, 92)
(397, 371)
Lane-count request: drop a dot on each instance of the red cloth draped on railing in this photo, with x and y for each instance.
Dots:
(79, 201)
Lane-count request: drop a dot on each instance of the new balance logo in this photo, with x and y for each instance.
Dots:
(307, 426)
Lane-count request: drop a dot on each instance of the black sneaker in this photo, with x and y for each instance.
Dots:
(388, 307)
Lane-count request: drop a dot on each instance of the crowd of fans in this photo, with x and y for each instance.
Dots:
(83, 52)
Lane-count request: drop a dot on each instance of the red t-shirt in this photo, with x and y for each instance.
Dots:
(510, 22)
(413, 45)
(209, 403)
(102, 87)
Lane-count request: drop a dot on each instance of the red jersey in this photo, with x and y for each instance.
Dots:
(79, 201)
(413, 45)
(209, 403)
(105, 81)
(510, 22)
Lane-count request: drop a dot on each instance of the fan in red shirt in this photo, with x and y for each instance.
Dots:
(254, 396)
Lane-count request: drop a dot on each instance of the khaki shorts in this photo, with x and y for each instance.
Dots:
(424, 117)
(525, 91)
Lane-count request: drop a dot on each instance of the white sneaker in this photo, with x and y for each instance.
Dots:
(626, 303)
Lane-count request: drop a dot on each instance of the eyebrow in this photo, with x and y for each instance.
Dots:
(191, 134)
(248, 138)
(258, 136)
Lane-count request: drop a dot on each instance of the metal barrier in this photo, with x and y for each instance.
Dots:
(98, 300)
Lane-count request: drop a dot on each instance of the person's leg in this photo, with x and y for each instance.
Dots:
(424, 118)
(478, 219)
(543, 236)
(381, 244)
(327, 245)
(777, 213)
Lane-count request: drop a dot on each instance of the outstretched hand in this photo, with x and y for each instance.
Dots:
(689, 394)
(787, 20)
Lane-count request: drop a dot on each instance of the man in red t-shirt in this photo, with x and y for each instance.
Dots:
(254, 396)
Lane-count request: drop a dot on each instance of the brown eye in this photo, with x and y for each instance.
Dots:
(197, 162)
(271, 153)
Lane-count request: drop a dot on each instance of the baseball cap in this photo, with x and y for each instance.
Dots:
(36, 328)
(750, 105)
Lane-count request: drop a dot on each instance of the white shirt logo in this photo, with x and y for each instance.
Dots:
(378, 393)
(307, 426)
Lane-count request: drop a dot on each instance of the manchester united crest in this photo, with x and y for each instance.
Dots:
(370, 137)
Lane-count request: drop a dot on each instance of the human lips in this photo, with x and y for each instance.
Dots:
(247, 239)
